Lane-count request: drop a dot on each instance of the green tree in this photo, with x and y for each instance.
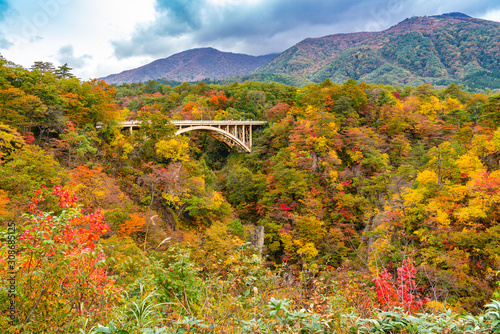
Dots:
(64, 71)
(28, 170)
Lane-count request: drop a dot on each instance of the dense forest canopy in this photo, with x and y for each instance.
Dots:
(377, 202)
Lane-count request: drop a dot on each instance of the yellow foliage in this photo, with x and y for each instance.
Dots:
(496, 139)
(482, 145)
(413, 196)
(215, 201)
(398, 105)
(125, 112)
(432, 108)
(171, 199)
(422, 235)
(333, 174)
(310, 112)
(197, 183)
(356, 155)
(174, 149)
(469, 213)
(436, 306)
(458, 192)
(452, 104)
(310, 228)
(287, 240)
(218, 243)
(274, 247)
(331, 128)
(330, 164)
(127, 148)
(308, 250)
(470, 165)
(379, 248)
(321, 145)
(426, 177)
(334, 158)
(10, 140)
(439, 213)
(118, 138)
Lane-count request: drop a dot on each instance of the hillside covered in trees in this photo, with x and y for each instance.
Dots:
(438, 50)
(192, 65)
(380, 208)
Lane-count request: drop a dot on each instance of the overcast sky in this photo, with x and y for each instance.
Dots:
(101, 37)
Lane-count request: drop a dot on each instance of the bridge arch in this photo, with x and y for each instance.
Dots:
(235, 134)
(219, 134)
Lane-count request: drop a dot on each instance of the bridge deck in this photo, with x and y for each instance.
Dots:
(127, 124)
(235, 134)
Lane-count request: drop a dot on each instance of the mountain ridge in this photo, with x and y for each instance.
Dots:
(192, 65)
(439, 50)
(426, 49)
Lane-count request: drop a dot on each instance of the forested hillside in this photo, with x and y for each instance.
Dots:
(192, 65)
(380, 208)
(439, 50)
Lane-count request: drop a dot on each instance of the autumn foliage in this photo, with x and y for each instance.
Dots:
(403, 292)
(370, 198)
(132, 225)
(60, 267)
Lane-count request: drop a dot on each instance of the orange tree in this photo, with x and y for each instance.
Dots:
(59, 275)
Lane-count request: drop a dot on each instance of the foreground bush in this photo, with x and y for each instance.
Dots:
(59, 278)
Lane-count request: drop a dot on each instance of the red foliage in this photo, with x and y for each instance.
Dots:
(487, 184)
(285, 229)
(28, 138)
(401, 294)
(37, 198)
(60, 254)
(285, 208)
(219, 101)
(345, 212)
(278, 112)
(81, 231)
(67, 199)
(328, 103)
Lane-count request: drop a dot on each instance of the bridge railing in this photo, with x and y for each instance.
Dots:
(194, 122)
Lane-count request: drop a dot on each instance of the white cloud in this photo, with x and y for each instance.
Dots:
(109, 36)
(66, 55)
(492, 15)
(39, 30)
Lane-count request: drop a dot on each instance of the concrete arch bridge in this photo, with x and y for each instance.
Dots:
(237, 135)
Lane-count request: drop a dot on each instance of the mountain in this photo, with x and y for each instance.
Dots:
(431, 49)
(193, 65)
(439, 50)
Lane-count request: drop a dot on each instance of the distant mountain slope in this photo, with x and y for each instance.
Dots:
(438, 49)
(290, 80)
(193, 65)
